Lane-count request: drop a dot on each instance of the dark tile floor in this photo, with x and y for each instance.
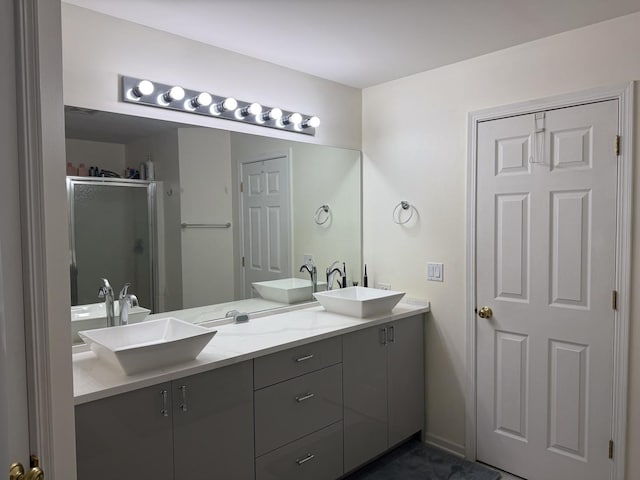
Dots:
(415, 460)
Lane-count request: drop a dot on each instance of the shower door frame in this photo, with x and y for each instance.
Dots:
(151, 188)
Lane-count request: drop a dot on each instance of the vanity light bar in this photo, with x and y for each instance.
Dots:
(175, 97)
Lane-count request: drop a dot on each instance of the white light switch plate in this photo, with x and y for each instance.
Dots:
(435, 272)
(308, 259)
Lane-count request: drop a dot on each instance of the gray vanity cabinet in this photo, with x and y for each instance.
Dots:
(213, 424)
(383, 385)
(126, 436)
(204, 429)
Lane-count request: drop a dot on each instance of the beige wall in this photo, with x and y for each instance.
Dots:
(97, 48)
(105, 156)
(205, 197)
(415, 147)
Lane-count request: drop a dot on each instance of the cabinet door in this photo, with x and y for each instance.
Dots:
(364, 370)
(406, 378)
(126, 436)
(213, 424)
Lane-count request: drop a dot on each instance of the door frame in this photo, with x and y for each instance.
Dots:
(287, 154)
(44, 230)
(624, 94)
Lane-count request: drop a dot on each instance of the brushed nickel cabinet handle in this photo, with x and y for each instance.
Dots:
(163, 411)
(307, 396)
(305, 459)
(306, 357)
(383, 336)
(183, 392)
(392, 334)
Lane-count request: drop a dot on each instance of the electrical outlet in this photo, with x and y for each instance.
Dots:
(383, 286)
(308, 259)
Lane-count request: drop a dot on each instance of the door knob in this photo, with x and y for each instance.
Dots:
(16, 472)
(485, 312)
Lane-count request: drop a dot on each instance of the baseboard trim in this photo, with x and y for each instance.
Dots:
(444, 444)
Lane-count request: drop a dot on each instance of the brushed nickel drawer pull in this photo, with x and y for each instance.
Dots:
(302, 398)
(309, 456)
(306, 357)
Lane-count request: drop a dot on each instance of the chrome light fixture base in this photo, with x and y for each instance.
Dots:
(137, 90)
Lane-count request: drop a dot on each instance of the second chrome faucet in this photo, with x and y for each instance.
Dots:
(332, 271)
(126, 301)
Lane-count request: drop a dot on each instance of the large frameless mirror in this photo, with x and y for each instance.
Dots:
(225, 211)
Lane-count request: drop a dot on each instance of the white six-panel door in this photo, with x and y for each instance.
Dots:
(266, 221)
(546, 231)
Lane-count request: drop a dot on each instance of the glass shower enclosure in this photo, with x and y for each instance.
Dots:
(112, 235)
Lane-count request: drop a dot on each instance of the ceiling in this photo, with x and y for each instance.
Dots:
(363, 42)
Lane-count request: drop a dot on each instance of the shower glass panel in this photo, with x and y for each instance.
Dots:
(111, 236)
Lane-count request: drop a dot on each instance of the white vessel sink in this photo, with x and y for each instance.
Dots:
(94, 315)
(359, 301)
(287, 290)
(148, 345)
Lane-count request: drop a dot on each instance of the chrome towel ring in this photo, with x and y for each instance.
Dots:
(317, 217)
(397, 212)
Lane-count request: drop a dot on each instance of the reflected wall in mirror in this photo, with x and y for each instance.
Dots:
(269, 190)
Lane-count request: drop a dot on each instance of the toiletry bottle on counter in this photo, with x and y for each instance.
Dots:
(71, 169)
(83, 171)
(365, 280)
(149, 171)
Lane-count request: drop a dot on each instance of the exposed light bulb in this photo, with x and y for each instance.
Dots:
(227, 104)
(313, 122)
(144, 87)
(174, 93)
(203, 99)
(273, 114)
(294, 118)
(253, 109)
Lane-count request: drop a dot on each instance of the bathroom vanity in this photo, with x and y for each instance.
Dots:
(302, 394)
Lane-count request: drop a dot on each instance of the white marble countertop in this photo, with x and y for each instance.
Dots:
(234, 343)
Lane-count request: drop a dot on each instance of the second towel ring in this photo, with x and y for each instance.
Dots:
(397, 212)
(317, 216)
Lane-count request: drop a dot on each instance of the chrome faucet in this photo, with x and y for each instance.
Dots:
(332, 270)
(127, 302)
(106, 292)
(311, 268)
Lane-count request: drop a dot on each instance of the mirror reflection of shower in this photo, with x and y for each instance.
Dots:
(112, 225)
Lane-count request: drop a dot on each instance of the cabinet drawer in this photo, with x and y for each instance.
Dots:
(292, 409)
(297, 361)
(315, 457)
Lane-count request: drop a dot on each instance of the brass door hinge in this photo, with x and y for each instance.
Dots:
(243, 261)
(616, 145)
(241, 187)
(614, 299)
(610, 448)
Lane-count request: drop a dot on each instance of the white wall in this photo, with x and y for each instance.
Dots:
(415, 147)
(106, 156)
(97, 48)
(205, 197)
